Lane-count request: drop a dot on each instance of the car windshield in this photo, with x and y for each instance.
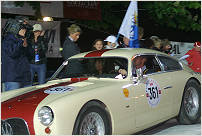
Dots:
(102, 67)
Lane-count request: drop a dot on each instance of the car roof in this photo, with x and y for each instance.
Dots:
(119, 52)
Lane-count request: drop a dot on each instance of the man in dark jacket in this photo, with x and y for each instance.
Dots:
(37, 59)
(15, 66)
(70, 48)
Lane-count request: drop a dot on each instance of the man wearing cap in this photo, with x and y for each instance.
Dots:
(38, 46)
(194, 59)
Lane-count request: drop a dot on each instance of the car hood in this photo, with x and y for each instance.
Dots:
(25, 104)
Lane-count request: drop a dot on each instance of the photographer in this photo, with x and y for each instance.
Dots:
(14, 50)
(37, 59)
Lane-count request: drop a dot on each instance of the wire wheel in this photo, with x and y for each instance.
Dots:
(191, 102)
(190, 110)
(92, 124)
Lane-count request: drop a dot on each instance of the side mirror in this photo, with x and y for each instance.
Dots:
(140, 77)
(139, 73)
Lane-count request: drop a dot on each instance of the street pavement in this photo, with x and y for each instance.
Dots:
(172, 127)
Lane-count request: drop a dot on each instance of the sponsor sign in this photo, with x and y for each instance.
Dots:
(59, 89)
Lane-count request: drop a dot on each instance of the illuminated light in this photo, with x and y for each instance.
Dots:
(47, 130)
(47, 19)
(126, 92)
(60, 49)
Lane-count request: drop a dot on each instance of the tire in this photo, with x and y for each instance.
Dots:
(190, 111)
(92, 120)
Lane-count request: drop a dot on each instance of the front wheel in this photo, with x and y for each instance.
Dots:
(93, 121)
(190, 111)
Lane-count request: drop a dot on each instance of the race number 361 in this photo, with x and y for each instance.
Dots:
(153, 92)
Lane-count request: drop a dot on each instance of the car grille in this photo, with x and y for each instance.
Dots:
(14, 126)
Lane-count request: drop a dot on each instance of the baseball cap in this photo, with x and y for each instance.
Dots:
(37, 27)
(198, 44)
(111, 39)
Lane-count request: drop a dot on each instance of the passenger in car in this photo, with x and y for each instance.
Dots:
(99, 66)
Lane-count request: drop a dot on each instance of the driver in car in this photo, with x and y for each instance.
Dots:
(139, 62)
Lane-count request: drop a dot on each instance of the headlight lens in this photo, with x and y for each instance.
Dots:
(45, 115)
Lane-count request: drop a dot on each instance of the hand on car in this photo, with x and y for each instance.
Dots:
(123, 72)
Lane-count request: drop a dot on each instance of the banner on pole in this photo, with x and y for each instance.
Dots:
(129, 26)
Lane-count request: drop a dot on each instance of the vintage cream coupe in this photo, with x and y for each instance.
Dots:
(103, 92)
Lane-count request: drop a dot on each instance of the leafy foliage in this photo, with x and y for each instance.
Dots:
(183, 15)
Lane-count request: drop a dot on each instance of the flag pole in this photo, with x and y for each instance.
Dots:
(117, 37)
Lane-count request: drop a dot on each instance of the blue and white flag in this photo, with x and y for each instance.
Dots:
(129, 26)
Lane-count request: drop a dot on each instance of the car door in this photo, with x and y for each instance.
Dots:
(152, 95)
(174, 70)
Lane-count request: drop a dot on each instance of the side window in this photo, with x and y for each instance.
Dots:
(169, 63)
(152, 64)
(147, 63)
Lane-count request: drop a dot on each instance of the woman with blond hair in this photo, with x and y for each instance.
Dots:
(165, 46)
(157, 42)
(70, 48)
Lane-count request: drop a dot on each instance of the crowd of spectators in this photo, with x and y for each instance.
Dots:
(23, 57)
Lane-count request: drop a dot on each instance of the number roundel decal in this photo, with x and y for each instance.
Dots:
(59, 89)
(153, 92)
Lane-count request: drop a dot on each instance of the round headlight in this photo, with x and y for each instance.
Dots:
(45, 115)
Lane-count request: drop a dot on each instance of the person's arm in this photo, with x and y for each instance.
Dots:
(13, 47)
(44, 43)
(29, 50)
(69, 49)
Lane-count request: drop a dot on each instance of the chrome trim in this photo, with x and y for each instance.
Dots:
(159, 62)
(167, 87)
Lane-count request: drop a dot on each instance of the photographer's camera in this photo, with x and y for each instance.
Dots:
(15, 25)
